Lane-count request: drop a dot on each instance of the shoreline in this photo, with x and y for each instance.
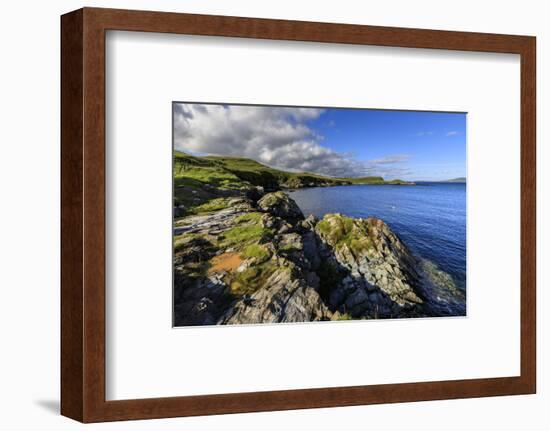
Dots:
(236, 263)
(292, 189)
(450, 254)
(411, 183)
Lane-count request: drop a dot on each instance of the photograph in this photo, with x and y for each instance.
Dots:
(299, 214)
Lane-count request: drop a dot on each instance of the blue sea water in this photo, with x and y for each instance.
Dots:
(430, 218)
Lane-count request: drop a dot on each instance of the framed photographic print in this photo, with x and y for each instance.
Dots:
(267, 215)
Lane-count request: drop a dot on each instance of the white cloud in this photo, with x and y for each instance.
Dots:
(452, 133)
(276, 136)
(396, 158)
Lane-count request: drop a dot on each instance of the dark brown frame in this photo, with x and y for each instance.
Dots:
(83, 214)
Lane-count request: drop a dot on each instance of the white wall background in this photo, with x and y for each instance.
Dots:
(29, 226)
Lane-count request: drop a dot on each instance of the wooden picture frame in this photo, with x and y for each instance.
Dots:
(83, 214)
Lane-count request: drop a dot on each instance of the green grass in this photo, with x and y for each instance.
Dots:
(185, 240)
(340, 230)
(246, 237)
(249, 229)
(253, 217)
(216, 177)
(242, 234)
(398, 182)
(261, 175)
(376, 181)
(187, 182)
(257, 251)
(180, 241)
(365, 180)
(336, 227)
(240, 163)
(239, 172)
(202, 170)
(289, 248)
(210, 206)
(252, 279)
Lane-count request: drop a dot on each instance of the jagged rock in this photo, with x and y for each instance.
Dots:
(285, 297)
(293, 183)
(380, 266)
(215, 222)
(270, 222)
(311, 250)
(255, 193)
(309, 222)
(280, 205)
(292, 246)
(291, 241)
(200, 302)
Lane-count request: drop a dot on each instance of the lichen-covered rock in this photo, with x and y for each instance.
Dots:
(381, 271)
(309, 222)
(280, 205)
(285, 296)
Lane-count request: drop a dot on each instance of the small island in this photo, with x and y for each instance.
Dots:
(456, 180)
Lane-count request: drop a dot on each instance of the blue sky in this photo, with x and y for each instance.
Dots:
(433, 144)
(410, 145)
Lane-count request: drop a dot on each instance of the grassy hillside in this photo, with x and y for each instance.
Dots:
(456, 180)
(204, 184)
(240, 172)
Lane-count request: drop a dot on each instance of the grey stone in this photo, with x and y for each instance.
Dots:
(280, 205)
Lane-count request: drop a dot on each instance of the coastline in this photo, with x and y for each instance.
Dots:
(239, 258)
(430, 217)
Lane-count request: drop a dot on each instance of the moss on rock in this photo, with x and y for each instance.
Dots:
(280, 205)
(338, 230)
(211, 206)
(256, 251)
(252, 278)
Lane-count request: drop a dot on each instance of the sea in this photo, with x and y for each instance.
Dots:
(429, 217)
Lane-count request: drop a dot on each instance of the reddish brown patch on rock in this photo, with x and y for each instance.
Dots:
(225, 262)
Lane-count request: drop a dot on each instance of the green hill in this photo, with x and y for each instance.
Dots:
(206, 183)
(235, 172)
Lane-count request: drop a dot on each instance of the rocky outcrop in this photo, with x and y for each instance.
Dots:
(301, 181)
(379, 271)
(286, 296)
(256, 259)
(280, 205)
